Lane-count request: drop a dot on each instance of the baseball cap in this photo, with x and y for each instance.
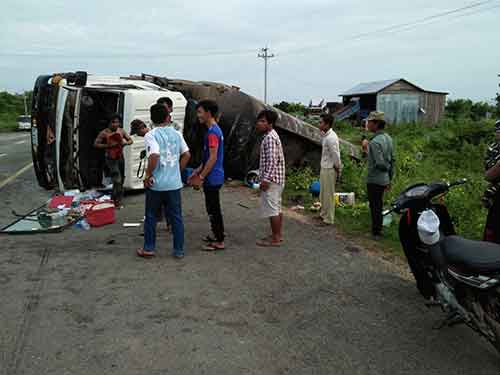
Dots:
(376, 116)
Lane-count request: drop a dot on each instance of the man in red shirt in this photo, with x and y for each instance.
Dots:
(112, 140)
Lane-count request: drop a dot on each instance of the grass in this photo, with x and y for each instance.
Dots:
(351, 221)
(7, 125)
(450, 151)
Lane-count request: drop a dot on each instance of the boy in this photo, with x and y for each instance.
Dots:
(272, 177)
(168, 154)
(210, 174)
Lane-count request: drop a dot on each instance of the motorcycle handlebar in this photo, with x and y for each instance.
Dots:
(387, 212)
(457, 183)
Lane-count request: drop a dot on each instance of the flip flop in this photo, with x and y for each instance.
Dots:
(144, 254)
(269, 238)
(267, 243)
(212, 247)
(208, 239)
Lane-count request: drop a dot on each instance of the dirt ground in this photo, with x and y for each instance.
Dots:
(82, 303)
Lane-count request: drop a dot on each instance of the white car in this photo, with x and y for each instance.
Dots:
(24, 122)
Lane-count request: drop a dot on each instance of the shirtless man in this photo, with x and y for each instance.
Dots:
(112, 140)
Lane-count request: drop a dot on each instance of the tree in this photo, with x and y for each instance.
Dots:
(292, 108)
(467, 109)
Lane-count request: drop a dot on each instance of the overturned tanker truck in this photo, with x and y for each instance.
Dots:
(238, 114)
(70, 109)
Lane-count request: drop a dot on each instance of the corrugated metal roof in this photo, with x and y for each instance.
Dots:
(369, 87)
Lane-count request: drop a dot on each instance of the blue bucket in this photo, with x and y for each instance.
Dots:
(315, 188)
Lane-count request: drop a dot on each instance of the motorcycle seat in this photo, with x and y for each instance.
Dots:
(476, 257)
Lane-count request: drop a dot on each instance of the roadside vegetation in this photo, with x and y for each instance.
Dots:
(451, 150)
(11, 106)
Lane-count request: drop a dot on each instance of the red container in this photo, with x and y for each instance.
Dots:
(101, 214)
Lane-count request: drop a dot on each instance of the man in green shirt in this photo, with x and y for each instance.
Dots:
(380, 169)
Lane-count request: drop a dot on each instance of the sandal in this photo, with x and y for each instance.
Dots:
(270, 238)
(144, 254)
(268, 243)
(209, 239)
(212, 247)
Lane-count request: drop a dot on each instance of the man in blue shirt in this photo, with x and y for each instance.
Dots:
(168, 154)
(210, 173)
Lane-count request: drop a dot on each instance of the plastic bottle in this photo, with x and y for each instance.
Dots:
(84, 224)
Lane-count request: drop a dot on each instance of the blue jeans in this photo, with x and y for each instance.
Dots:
(171, 202)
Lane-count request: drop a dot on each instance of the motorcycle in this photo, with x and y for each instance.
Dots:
(459, 275)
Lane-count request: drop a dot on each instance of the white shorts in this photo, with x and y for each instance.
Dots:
(270, 200)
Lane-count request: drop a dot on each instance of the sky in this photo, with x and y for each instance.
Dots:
(321, 47)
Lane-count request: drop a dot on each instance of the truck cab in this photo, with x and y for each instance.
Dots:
(68, 112)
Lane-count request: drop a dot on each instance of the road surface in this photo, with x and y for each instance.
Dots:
(18, 187)
(81, 303)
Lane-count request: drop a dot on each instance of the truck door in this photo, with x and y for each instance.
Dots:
(64, 124)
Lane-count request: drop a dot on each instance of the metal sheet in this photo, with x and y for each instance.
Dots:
(399, 108)
(369, 87)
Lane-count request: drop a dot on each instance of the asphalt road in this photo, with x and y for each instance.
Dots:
(81, 303)
(14, 152)
(19, 189)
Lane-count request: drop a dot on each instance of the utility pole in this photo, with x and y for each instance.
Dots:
(25, 106)
(266, 56)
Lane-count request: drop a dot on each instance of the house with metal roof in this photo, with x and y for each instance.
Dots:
(401, 100)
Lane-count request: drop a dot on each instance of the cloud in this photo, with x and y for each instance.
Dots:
(316, 55)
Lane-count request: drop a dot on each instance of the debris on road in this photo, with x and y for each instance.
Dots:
(344, 199)
(131, 225)
(316, 207)
(81, 210)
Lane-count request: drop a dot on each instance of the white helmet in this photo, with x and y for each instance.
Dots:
(428, 227)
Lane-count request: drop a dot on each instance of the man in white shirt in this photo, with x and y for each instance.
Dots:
(168, 154)
(331, 166)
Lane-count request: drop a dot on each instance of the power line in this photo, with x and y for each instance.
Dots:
(266, 56)
(403, 26)
(424, 19)
(459, 12)
(429, 22)
(409, 27)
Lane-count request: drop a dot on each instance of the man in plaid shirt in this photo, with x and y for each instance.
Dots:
(272, 177)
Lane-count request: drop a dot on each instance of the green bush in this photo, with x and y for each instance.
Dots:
(447, 152)
(300, 179)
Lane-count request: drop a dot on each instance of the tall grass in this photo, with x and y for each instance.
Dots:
(451, 150)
